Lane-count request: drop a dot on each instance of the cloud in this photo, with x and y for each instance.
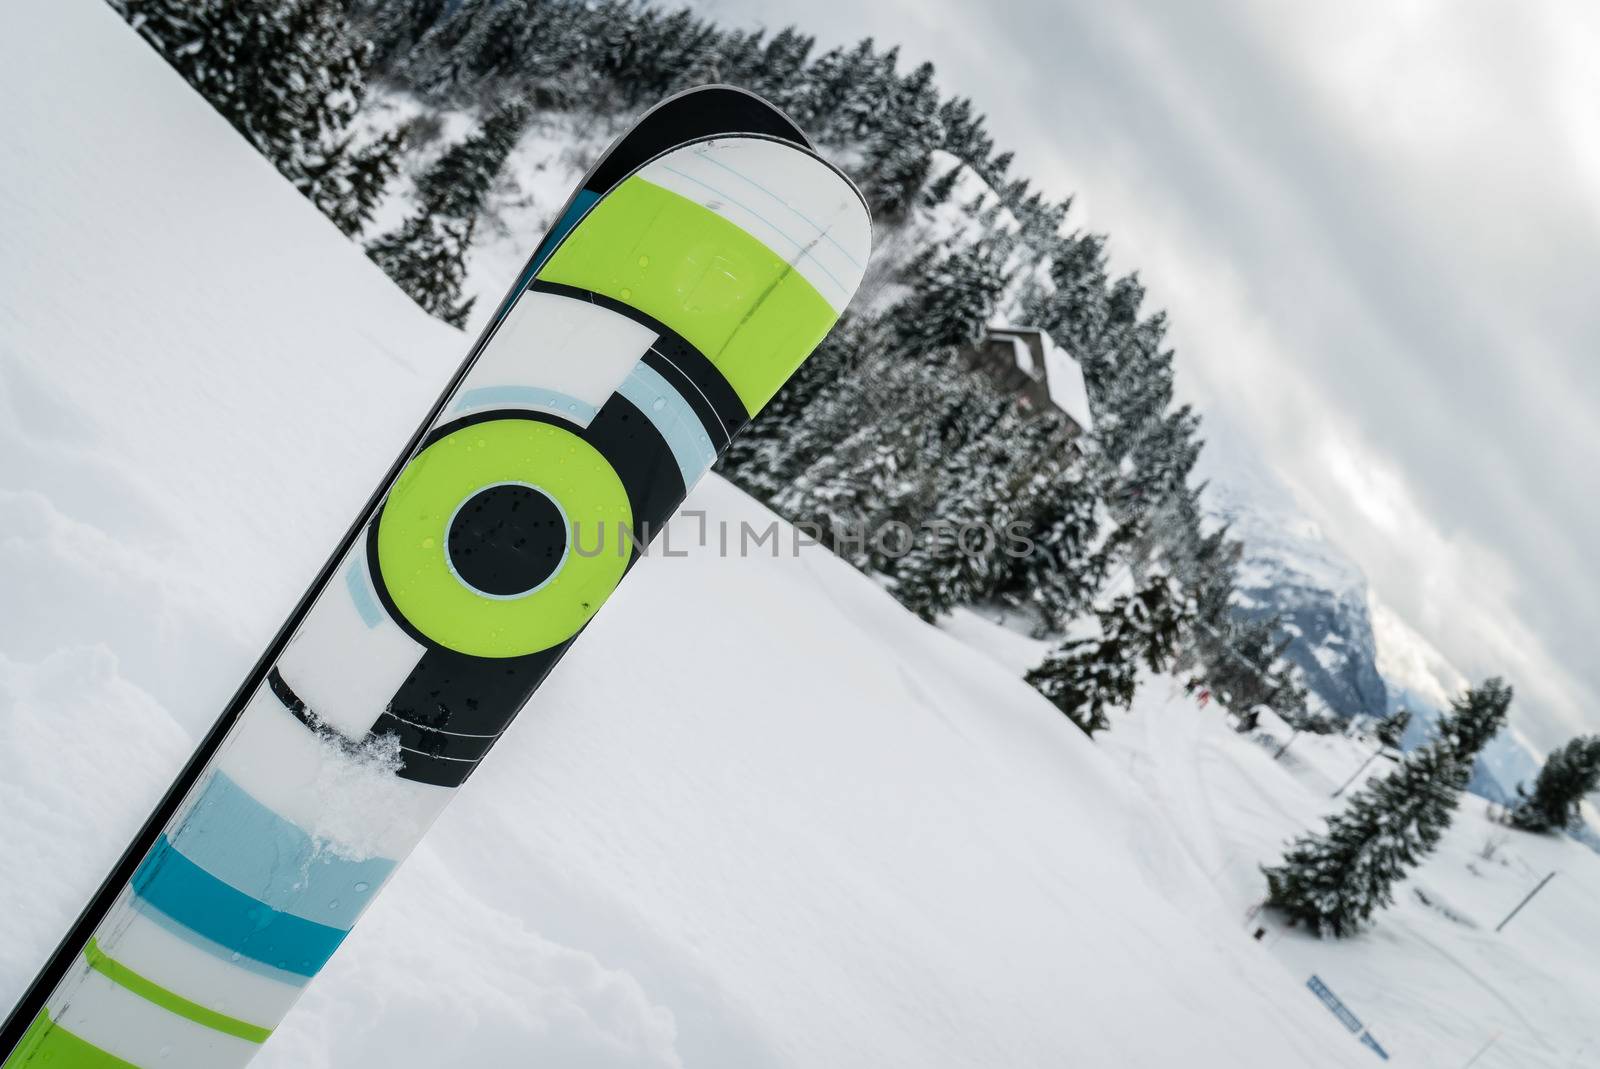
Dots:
(1375, 230)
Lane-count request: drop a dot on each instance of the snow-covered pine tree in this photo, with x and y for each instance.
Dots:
(1570, 772)
(426, 257)
(457, 184)
(1243, 671)
(870, 445)
(496, 44)
(1087, 678)
(366, 177)
(396, 26)
(437, 61)
(1064, 567)
(426, 254)
(964, 553)
(181, 30)
(289, 75)
(898, 155)
(1392, 728)
(951, 299)
(841, 406)
(1475, 718)
(1334, 882)
(964, 135)
(846, 89)
(477, 48)
(941, 188)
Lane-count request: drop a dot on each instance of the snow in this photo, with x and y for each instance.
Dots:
(1431, 980)
(761, 816)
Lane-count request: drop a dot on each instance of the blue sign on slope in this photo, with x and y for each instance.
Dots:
(1329, 999)
(1341, 1011)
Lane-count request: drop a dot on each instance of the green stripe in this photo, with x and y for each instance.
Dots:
(741, 304)
(47, 1043)
(151, 991)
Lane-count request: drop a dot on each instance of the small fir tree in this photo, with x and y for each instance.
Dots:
(427, 254)
(1570, 772)
(1087, 678)
(458, 183)
(951, 299)
(290, 75)
(1335, 881)
(1246, 672)
(1063, 561)
(366, 178)
(427, 258)
(1392, 729)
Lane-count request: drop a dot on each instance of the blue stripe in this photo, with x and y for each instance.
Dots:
(355, 580)
(562, 404)
(253, 850)
(188, 894)
(673, 417)
(216, 950)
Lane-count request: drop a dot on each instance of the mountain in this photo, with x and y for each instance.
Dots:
(1355, 654)
(1423, 680)
(1291, 569)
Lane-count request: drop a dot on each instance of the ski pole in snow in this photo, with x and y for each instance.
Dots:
(1525, 900)
(1373, 756)
(700, 262)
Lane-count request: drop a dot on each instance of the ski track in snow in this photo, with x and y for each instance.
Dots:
(760, 817)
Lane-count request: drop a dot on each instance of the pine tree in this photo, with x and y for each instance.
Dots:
(966, 551)
(181, 30)
(426, 257)
(1334, 882)
(1570, 772)
(457, 185)
(366, 178)
(396, 26)
(867, 456)
(1087, 678)
(290, 75)
(1475, 718)
(1245, 672)
(940, 189)
(427, 254)
(951, 299)
(1063, 567)
(1392, 729)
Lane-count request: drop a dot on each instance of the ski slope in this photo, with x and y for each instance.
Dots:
(760, 817)
(1431, 978)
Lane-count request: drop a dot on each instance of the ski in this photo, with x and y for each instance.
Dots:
(692, 271)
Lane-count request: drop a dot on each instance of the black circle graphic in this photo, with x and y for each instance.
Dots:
(507, 539)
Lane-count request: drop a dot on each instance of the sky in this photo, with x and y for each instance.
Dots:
(1376, 228)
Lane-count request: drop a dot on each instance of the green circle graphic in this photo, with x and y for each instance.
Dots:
(412, 550)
